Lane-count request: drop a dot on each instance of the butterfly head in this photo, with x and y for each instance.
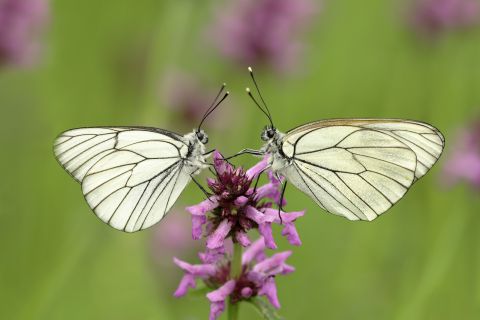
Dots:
(269, 133)
(201, 136)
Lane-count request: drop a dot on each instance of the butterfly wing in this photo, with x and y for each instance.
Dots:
(359, 168)
(130, 177)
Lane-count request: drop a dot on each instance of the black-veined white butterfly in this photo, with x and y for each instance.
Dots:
(355, 168)
(131, 176)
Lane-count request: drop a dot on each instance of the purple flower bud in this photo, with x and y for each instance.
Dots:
(463, 161)
(262, 33)
(186, 96)
(247, 292)
(433, 17)
(21, 23)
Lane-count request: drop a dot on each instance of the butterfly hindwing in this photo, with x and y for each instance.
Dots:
(130, 177)
(359, 168)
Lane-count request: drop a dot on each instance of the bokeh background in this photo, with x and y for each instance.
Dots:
(66, 64)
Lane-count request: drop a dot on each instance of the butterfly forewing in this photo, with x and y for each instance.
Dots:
(359, 168)
(130, 176)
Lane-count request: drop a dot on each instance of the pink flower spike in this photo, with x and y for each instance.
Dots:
(216, 239)
(269, 289)
(254, 171)
(265, 230)
(188, 281)
(242, 238)
(218, 297)
(291, 233)
(254, 251)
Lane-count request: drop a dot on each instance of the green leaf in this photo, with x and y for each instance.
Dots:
(265, 309)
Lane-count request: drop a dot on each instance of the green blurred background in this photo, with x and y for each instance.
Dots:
(103, 64)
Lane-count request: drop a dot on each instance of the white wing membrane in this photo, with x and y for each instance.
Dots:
(359, 168)
(130, 176)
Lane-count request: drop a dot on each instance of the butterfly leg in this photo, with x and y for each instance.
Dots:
(246, 151)
(280, 204)
(207, 194)
(208, 153)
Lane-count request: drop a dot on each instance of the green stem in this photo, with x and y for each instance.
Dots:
(235, 272)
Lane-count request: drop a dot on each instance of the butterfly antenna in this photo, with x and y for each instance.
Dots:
(250, 70)
(249, 92)
(214, 104)
(213, 108)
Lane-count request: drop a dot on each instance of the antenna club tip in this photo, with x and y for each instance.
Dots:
(227, 93)
(247, 89)
(250, 69)
(224, 84)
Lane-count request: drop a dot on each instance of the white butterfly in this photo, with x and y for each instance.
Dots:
(131, 176)
(355, 168)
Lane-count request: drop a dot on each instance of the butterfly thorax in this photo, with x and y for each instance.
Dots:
(273, 146)
(195, 158)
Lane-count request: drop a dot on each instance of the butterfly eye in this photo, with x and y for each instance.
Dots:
(267, 134)
(202, 137)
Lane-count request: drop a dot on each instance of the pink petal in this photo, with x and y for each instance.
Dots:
(255, 215)
(254, 171)
(197, 224)
(273, 265)
(286, 216)
(217, 238)
(221, 166)
(291, 233)
(212, 255)
(241, 201)
(269, 289)
(253, 251)
(242, 238)
(203, 207)
(188, 281)
(199, 270)
(265, 230)
(216, 309)
(222, 293)
(287, 269)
